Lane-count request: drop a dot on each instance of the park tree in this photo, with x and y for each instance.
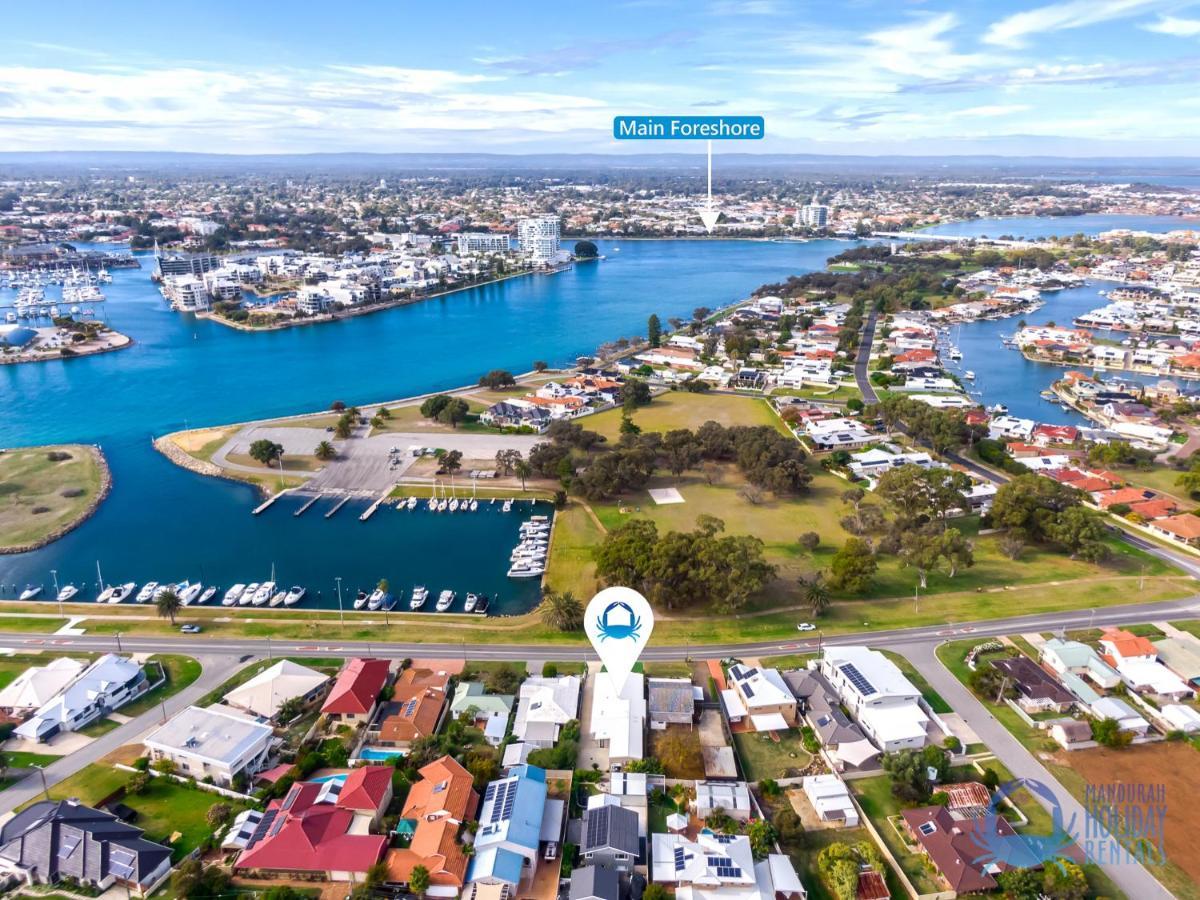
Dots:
(453, 412)
(1190, 480)
(1031, 503)
(634, 393)
(853, 567)
(168, 604)
(497, 379)
(540, 365)
(506, 460)
(562, 611)
(654, 331)
(265, 451)
(917, 494)
(809, 541)
(345, 426)
(522, 469)
(956, 551)
(452, 461)
(921, 550)
(434, 405)
(680, 451)
(1079, 532)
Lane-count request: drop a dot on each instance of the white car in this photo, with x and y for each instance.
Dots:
(806, 626)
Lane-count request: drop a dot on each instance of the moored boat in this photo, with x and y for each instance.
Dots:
(360, 599)
(471, 602)
(208, 594)
(265, 592)
(248, 594)
(189, 594)
(122, 592)
(233, 595)
(67, 592)
(445, 600)
(31, 591)
(419, 595)
(147, 591)
(294, 595)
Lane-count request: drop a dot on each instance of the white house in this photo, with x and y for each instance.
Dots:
(619, 719)
(765, 696)
(544, 705)
(830, 797)
(721, 867)
(881, 699)
(1127, 718)
(211, 742)
(271, 688)
(733, 797)
(103, 687)
(1181, 718)
(837, 434)
(38, 685)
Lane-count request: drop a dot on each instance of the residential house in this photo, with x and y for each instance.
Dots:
(285, 683)
(1073, 662)
(1181, 718)
(731, 797)
(672, 701)
(952, 841)
(415, 710)
(320, 830)
(618, 721)
(1127, 718)
(354, 697)
(843, 740)
(434, 812)
(610, 836)
(1181, 656)
(595, 883)
(769, 702)
(472, 697)
(53, 840)
(1183, 528)
(38, 685)
(830, 799)
(516, 414)
(885, 703)
(1037, 689)
(211, 742)
(103, 687)
(511, 827)
(1136, 660)
(722, 867)
(544, 705)
(837, 434)
(1072, 734)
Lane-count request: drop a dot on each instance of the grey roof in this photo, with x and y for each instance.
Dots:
(60, 838)
(671, 695)
(595, 881)
(610, 826)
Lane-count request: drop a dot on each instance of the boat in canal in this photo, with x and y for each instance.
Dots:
(265, 592)
(481, 605)
(526, 569)
(121, 592)
(208, 594)
(294, 595)
(233, 595)
(360, 599)
(445, 600)
(67, 592)
(471, 603)
(147, 591)
(247, 596)
(419, 595)
(31, 591)
(190, 593)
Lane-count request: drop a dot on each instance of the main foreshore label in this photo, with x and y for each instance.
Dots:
(689, 128)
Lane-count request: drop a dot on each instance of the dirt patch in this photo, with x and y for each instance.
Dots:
(1172, 765)
(195, 441)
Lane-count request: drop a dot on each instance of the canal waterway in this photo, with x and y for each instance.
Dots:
(1034, 227)
(163, 523)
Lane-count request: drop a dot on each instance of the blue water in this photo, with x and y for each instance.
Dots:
(372, 753)
(1060, 226)
(341, 779)
(166, 524)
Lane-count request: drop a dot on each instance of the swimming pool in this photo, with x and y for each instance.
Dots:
(379, 753)
(340, 779)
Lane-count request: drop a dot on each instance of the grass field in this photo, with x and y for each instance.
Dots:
(680, 409)
(180, 671)
(764, 758)
(32, 486)
(570, 566)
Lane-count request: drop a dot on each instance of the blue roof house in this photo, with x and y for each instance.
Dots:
(510, 826)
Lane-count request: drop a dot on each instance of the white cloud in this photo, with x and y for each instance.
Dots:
(1015, 30)
(1175, 26)
(994, 110)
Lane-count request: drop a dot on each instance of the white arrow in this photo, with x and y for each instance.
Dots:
(709, 214)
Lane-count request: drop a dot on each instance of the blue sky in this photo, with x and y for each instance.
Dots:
(1079, 77)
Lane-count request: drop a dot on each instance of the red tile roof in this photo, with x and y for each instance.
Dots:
(1185, 526)
(1125, 644)
(413, 717)
(953, 846)
(357, 687)
(456, 797)
(1158, 508)
(366, 788)
(1128, 495)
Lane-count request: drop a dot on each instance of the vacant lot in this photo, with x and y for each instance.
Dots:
(1172, 765)
(685, 759)
(680, 409)
(41, 493)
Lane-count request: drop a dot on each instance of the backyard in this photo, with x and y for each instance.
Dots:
(763, 757)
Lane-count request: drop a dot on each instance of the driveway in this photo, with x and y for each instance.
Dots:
(1130, 876)
(589, 751)
(216, 670)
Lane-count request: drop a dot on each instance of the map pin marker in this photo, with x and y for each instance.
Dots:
(618, 622)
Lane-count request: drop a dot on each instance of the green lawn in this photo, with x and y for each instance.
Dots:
(932, 697)
(570, 565)
(32, 487)
(167, 807)
(681, 409)
(805, 861)
(764, 758)
(99, 727)
(21, 759)
(875, 797)
(180, 671)
(31, 623)
(92, 785)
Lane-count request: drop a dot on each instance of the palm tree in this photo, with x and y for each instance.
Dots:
(562, 611)
(418, 880)
(816, 592)
(523, 470)
(168, 604)
(325, 451)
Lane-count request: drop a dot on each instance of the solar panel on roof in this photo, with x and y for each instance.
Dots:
(678, 859)
(856, 678)
(747, 690)
(490, 792)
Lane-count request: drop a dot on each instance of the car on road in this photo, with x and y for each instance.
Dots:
(806, 626)
(190, 629)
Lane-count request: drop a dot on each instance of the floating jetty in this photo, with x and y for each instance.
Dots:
(302, 510)
(337, 506)
(266, 504)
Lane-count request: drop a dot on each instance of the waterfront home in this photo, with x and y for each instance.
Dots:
(1037, 689)
(434, 812)
(830, 798)
(103, 687)
(1046, 435)
(38, 685)
(415, 710)
(618, 721)
(884, 702)
(516, 414)
(945, 401)
(610, 835)
(512, 827)
(951, 841)
(670, 357)
(837, 434)
(1009, 427)
(544, 705)
(54, 840)
(284, 683)
(212, 742)
(764, 694)
(1183, 528)
(354, 697)
(321, 829)
(731, 797)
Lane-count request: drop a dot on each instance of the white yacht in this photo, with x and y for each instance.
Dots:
(121, 592)
(412, 503)
(360, 599)
(522, 570)
(419, 595)
(189, 594)
(209, 593)
(264, 593)
(454, 505)
(233, 595)
(67, 592)
(445, 600)
(31, 591)
(955, 353)
(105, 595)
(147, 591)
(433, 504)
(247, 595)
(376, 599)
(441, 507)
(969, 375)
(472, 600)
(277, 598)
(507, 507)
(294, 596)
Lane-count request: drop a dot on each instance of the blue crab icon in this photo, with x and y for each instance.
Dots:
(997, 845)
(627, 625)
